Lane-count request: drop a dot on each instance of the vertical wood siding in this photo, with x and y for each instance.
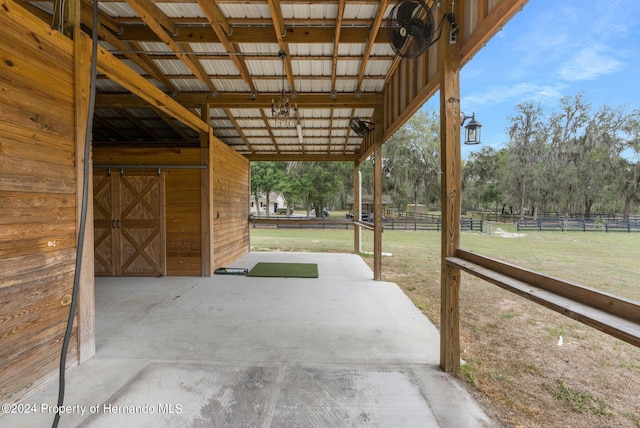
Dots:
(230, 203)
(37, 200)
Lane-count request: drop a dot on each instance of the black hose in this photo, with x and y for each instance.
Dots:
(83, 215)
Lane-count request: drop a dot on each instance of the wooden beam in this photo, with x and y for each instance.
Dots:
(301, 34)
(238, 128)
(451, 198)
(311, 157)
(374, 33)
(207, 209)
(221, 27)
(613, 315)
(159, 23)
(86, 292)
(150, 13)
(377, 210)
(499, 15)
(336, 44)
(281, 32)
(269, 129)
(244, 100)
(357, 231)
(139, 86)
(205, 115)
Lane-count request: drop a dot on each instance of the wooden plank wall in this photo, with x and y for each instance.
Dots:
(230, 203)
(37, 200)
(184, 245)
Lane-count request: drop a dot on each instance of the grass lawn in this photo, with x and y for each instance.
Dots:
(514, 363)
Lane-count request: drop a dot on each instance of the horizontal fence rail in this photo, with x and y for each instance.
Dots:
(388, 223)
(614, 315)
(570, 224)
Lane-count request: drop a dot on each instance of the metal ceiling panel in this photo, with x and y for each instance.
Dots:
(245, 112)
(106, 85)
(309, 10)
(219, 67)
(189, 85)
(117, 9)
(181, 10)
(245, 10)
(360, 11)
(172, 67)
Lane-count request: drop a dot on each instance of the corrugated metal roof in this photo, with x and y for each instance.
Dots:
(245, 10)
(257, 67)
(189, 85)
(172, 67)
(117, 10)
(180, 10)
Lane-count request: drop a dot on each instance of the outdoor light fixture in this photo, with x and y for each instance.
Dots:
(472, 129)
(281, 110)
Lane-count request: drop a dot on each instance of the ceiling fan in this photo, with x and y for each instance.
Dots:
(361, 127)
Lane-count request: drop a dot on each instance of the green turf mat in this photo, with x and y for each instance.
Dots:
(285, 270)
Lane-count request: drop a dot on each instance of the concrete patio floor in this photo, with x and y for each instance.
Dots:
(233, 351)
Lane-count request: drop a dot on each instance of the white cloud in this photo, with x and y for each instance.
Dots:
(514, 94)
(589, 63)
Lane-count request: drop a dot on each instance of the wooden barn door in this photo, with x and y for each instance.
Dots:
(103, 232)
(130, 227)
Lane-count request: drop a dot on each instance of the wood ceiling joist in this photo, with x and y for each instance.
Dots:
(375, 29)
(280, 32)
(238, 128)
(258, 22)
(311, 157)
(222, 28)
(117, 71)
(336, 45)
(159, 23)
(140, 60)
(243, 100)
(272, 78)
(346, 140)
(269, 129)
(187, 33)
(86, 17)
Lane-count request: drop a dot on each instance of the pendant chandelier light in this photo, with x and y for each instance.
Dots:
(281, 110)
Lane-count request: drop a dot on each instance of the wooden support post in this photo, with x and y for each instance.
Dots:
(206, 208)
(451, 197)
(356, 208)
(86, 292)
(377, 211)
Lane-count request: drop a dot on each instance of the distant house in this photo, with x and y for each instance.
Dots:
(276, 201)
(367, 203)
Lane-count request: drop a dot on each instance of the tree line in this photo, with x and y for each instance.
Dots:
(574, 160)
(571, 160)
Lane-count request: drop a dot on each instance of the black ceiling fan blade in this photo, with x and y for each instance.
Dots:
(405, 12)
(417, 32)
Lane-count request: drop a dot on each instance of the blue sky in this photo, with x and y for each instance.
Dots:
(551, 49)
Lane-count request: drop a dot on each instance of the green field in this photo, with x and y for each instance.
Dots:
(606, 261)
(514, 362)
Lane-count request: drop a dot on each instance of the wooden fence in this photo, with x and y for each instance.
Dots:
(393, 223)
(580, 224)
